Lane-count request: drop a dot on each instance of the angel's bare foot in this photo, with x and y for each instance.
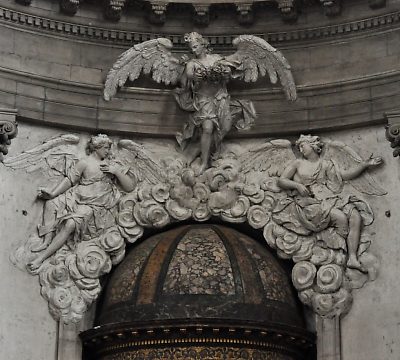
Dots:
(353, 263)
(201, 169)
(34, 265)
(41, 246)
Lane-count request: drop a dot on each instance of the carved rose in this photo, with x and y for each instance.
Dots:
(201, 213)
(241, 206)
(128, 226)
(329, 278)
(322, 256)
(201, 192)
(61, 298)
(289, 243)
(111, 240)
(334, 304)
(144, 192)
(160, 192)
(176, 211)
(90, 261)
(257, 216)
(254, 193)
(303, 275)
(151, 213)
(268, 202)
(306, 250)
(58, 275)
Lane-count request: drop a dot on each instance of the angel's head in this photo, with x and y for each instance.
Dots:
(197, 43)
(101, 144)
(308, 144)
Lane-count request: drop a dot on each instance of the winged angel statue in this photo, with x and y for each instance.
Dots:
(81, 234)
(202, 83)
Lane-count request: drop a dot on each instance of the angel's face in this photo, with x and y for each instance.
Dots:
(197, 48)
(103, 151)
(306, 149)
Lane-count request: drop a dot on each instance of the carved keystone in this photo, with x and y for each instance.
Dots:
(8, 129)
(393, 131)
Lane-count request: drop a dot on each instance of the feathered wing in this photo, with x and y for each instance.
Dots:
(347, 158)
(150, 57)
(271, 157)
(140, 162)
(258, 58)
(53, 157)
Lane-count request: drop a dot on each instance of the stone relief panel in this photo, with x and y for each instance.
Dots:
(310, 200)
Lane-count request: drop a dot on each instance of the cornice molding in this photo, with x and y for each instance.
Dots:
(19, 19)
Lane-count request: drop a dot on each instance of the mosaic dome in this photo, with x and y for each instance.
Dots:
(203, 271)
(204, 284)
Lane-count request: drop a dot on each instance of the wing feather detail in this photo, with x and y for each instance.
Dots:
(150, 57)
(258, 58)
(271, 157)
(52, 157)
(141, 162)
(344, 155)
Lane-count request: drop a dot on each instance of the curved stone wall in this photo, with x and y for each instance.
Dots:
(52, 68)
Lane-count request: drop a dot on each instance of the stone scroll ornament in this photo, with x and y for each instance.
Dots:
(309, 199)
(202, 85)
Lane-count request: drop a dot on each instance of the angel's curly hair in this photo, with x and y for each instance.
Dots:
(97, 142)
(194, 37)
(314, 141)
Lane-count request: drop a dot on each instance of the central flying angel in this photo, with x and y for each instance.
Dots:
(202, 83)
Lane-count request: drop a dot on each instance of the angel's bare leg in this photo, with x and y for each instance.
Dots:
(49, 218)
(353, 239)
(340, 222)
(193, 154)
(58, 241)
(206, 138)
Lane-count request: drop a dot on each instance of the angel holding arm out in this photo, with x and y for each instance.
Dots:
(82, 205)
(203, 85)
(317, 181)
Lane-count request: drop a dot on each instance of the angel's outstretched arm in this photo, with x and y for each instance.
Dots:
(356, 171)
(65, 184)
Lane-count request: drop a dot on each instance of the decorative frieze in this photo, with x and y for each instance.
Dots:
(289, 9)
(124, 37)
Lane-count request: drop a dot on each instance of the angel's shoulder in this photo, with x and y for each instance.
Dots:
(82, 163)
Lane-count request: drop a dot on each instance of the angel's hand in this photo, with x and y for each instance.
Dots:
(184, 59)
(110, 168)
(45, 194)
(374, 161)
(302, 190)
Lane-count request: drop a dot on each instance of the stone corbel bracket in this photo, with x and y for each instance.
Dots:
(393, 131)
(8, 129)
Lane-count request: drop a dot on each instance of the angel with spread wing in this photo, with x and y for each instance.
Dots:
(314, 183)
(83, 205)
(203, 83)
